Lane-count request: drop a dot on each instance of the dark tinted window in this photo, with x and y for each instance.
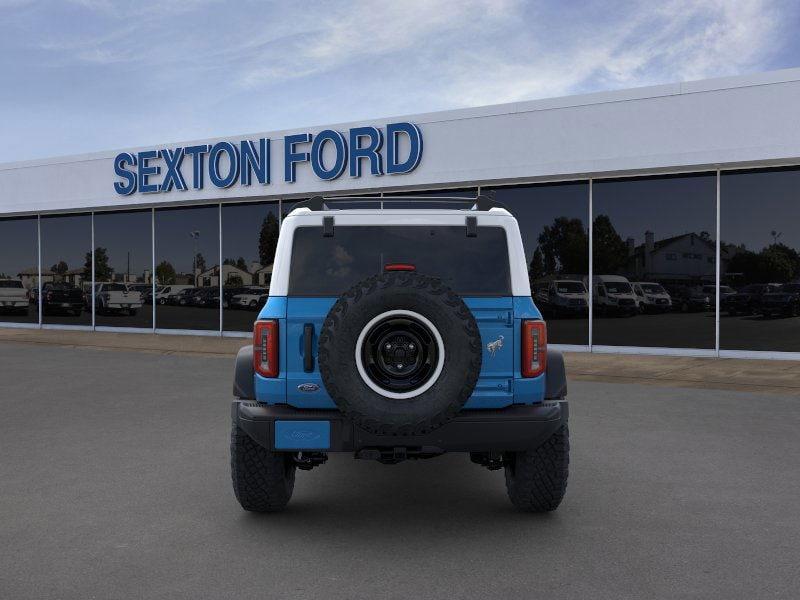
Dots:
(760, 232)
(328, 266)
(427, 198)
(187, 254)
(554, 224)
(67, 261)
(123, 256)
(655, 230)
(19, 267)
(249, 239)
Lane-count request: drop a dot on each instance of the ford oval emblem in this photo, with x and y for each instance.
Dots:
(300, 435)
(308, 387)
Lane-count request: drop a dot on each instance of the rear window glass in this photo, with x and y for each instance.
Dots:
(328, 266)
(10, 284)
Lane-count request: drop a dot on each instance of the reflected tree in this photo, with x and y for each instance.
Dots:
(564, 247)
(165, 273)
(268, 240)
(536, 269)
(777, 263)
(102, 270)
(609, 249)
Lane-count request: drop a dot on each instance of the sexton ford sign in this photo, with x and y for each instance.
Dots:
(225, 164)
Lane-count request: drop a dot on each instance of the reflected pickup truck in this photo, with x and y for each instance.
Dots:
(13, 296)
(396, 334)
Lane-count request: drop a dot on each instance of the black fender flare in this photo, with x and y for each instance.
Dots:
(243, 381)
(555, 376)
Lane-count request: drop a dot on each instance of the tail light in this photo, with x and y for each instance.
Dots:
(534, 348)
(265, 348)
(399, 267)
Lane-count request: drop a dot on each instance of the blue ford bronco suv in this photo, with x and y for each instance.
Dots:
(397, 332)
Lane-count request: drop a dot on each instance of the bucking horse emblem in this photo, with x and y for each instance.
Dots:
(494, 346)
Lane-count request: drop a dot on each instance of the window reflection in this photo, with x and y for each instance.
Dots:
(654, 257)
(66, 269)
(123, 266)
(187, 270)
(249, 240)
(394, 199)
(760, 267)
(553, 220)
(19, 270)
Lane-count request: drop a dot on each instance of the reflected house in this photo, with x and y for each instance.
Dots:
(73, 276)
(210, 277)
(688, 258)
(263, 276)
(30, 276)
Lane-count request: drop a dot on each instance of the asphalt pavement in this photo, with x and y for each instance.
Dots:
(115, 484)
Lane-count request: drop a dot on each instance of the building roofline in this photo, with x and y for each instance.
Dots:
(545, 104)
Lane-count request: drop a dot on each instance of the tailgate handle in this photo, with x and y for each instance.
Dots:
(308, 356)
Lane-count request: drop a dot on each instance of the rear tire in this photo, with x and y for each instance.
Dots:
(536, 480)
(263, 481)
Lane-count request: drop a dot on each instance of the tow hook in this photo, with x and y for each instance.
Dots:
(491, 460)
(305, 461)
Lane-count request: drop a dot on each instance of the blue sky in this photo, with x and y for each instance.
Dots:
(86, 75)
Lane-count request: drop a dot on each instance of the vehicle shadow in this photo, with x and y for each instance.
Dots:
(357, 498)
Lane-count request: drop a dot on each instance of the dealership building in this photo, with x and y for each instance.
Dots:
(679, 203)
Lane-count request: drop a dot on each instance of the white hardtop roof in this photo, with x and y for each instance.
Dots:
(398, 212)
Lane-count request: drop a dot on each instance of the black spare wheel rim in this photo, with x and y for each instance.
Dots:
(400, 353)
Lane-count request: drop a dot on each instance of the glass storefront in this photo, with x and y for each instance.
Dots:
(249, 240)
(66, 269)
(554, 223)
(653, 250)
(654, 261)
(187, 268)
(123, 266)
(19, 270)
(760, 260)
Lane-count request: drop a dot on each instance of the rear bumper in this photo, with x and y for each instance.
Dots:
(510, 429)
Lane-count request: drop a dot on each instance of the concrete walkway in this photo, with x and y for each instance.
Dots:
(760, 376)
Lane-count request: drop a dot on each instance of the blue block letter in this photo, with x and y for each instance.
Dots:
(173, 176)
(370, 151)
(197, 153)
(290, 157)
(318, 147)
(120, 161)
(393, 132)
(255, 161)
(145, 171)
(233, 164)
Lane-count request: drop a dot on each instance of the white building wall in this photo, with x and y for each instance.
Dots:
(720, 122)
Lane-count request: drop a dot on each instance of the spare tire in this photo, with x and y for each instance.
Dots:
(400, 353)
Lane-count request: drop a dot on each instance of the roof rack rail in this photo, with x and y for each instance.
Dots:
(484, 202)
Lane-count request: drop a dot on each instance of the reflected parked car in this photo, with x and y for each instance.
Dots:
(613, 294)
(116, 298)
(562, 297)
(182, 297)
(690, 299)
(651, 297)
(229, 292)
(785, 302)
(13, 296)
(163, 294)
(747, 301)
(62, 297)
(205, 297)
(249, 299)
